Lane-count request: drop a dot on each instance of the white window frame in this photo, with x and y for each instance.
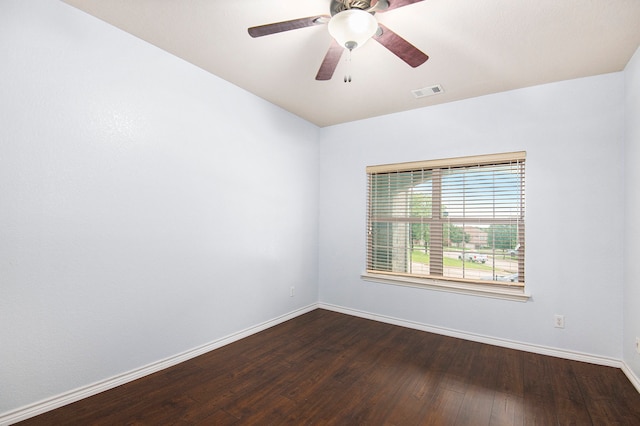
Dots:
(510, 291)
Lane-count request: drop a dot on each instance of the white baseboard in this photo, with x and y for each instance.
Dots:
(635, 381)
(543, 350)
(66, 398)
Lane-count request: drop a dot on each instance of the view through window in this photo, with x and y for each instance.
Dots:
(457, 219)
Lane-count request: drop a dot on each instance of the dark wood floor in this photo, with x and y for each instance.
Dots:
(328, 368)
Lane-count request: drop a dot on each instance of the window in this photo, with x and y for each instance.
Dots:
(457, 223)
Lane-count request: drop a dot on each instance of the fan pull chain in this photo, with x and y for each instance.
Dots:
(347, 77)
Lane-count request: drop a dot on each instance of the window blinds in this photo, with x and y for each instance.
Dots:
(460, 219)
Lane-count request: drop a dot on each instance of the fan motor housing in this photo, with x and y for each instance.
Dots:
(338, 6)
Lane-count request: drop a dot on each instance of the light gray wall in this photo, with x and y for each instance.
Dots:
(572, 132)
(147, 207)
(632, 213)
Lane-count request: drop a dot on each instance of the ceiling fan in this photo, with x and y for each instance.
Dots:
(351, 24)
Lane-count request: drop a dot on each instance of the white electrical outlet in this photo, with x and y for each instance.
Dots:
(638, 345)
(558, 321)
(291, 291)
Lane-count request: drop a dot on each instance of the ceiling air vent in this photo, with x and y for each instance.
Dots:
(427, 91)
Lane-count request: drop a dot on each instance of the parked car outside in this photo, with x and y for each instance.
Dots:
(474, 257)
(511, 277)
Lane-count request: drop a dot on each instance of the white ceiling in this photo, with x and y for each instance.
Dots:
(475, 47)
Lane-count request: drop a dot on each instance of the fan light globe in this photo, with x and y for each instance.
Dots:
(352, 28)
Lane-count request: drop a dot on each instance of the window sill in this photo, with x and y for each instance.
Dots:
(482, 290)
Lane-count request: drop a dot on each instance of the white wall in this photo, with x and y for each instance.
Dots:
(147, 207)
(632, 213)
(573, 134)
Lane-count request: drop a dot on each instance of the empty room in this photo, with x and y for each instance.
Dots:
(258, 212)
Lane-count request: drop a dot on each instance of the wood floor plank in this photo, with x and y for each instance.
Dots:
(564, 381)
(507, 409)
(510, 379)
(419, 387)
(480, 386)
(572, 412)
(443, 409)
(538, 411)
(538, 377)
(460, 367)
(329, 368)
(476, 406)
(216, 417)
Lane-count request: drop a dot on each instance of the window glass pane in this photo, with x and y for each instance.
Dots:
(381, 246)
(468, 253)
(482, 192)
(420, 234)
(481, 252)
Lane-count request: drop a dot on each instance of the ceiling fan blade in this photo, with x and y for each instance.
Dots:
(400, 47)
(330, 61)
(278, 27)
(394, 4)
